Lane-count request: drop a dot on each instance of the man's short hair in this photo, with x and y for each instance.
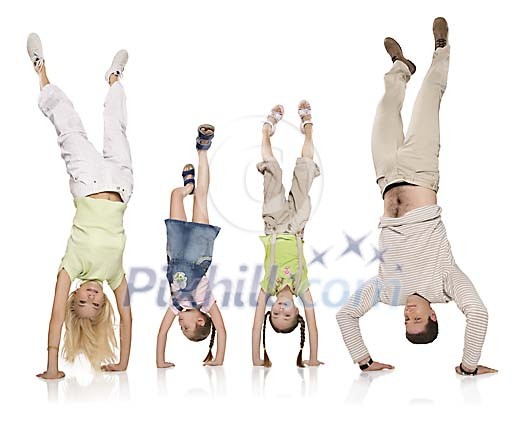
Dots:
(428, 335)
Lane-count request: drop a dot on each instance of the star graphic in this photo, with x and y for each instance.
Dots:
(399, 268)
(319, 257)
(378, 255)
(353, 245)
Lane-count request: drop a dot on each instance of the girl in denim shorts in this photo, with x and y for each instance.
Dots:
(189, 251)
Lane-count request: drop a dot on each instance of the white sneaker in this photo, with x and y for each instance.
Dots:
(34, 49)
(117, 66)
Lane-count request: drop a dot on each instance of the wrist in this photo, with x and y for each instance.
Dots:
(52, 370)
(467, 371)
(365, 364)
(122, 364)
(364, 360)
(52, 366)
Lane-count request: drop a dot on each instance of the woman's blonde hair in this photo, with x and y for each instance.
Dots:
(93, 337)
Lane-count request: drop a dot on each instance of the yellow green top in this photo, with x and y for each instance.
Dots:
(96, 245)
(287, 264)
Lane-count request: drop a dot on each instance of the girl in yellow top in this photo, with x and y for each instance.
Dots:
(101, 186)
(286, 275)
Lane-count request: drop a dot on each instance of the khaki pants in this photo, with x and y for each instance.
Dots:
(290, 215)
(412, 158)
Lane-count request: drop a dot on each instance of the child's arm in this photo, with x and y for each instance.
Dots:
(257, 327)
(55, 326)
(124, 309)
(312, 328)
(220, 330)
(165, 326)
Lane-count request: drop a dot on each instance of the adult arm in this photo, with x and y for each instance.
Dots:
(58, 314)
(467, 299)
(365, 297)
(220, 331)
(257, 328)
(124, 309)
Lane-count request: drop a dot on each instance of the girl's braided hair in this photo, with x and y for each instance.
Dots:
(202, 332)
(298, 321)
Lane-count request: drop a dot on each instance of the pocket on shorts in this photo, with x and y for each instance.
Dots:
(203, 262)
(121, 177)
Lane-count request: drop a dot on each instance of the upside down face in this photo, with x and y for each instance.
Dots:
(417, 314)
(284, 314)
(89, 299)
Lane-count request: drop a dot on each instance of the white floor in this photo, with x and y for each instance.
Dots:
(281, 391)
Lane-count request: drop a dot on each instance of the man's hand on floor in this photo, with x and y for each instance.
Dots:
(482, 370)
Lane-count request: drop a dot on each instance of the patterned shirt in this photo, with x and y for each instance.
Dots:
(415, 257)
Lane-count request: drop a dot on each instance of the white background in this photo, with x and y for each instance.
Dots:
(227, 63)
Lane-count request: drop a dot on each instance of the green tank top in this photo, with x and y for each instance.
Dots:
(96, 245)
(286, 262)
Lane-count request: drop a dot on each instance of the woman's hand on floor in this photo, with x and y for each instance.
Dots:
(50, 376)
(113, 368)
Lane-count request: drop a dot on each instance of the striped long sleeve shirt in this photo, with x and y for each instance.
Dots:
(415, 257)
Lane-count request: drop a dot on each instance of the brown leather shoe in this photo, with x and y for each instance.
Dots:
(394, 50)
(440, 29)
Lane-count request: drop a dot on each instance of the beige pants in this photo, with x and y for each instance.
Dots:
(290, 215)
(413, 158)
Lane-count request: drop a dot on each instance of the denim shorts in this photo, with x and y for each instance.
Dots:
(189, 250)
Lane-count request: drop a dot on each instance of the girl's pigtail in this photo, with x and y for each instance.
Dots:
(209, 357)
(300, 355)
(267, 362)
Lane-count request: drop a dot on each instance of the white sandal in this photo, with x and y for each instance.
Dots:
(305, 111)
(277, 115)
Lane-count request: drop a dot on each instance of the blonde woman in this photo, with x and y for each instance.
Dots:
(101, 186)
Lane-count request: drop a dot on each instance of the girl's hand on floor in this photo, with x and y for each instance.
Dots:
(213, 363)
(113, 368)
(312, 363)
(165, 365)
(50, 376)
(376, 365)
